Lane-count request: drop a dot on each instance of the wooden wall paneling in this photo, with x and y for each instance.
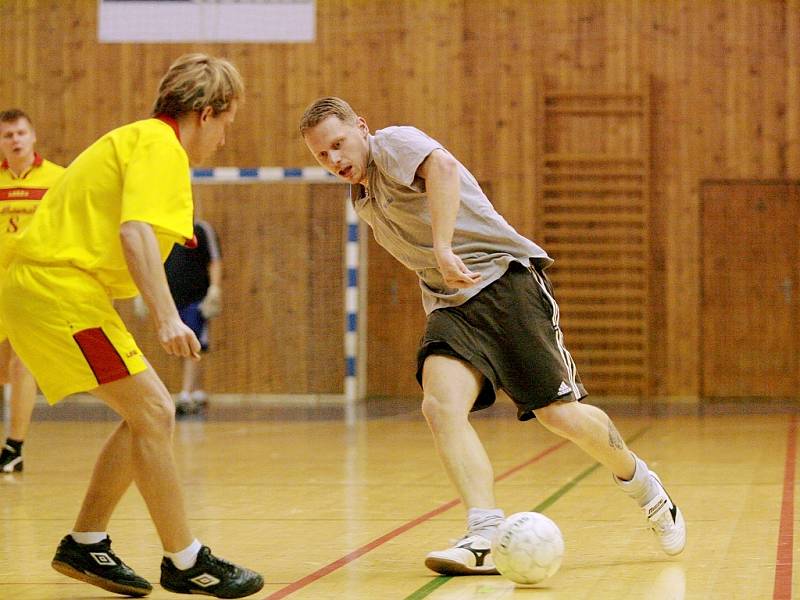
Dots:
(725, 78)
(773, 71)
(791, 139)
(281, 330)
(259, 136)
(396, 322)
(326, 279)
(383, 76)
(434, 38)
(704, 92)
(595, 208)
(689, 27)
(78, 64)
(304, 83)
(480, 123)
(516, 125)
(658, 40)
(282, 254)
(750, 287)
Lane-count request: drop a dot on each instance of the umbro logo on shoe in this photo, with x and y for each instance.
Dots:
(205, 580)
(102, 558)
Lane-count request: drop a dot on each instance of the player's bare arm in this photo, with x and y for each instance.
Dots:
(142, 256)
(440, 172)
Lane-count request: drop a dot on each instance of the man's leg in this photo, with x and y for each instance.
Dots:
(140, 450)
(593, 431)
(193, 382)
(184, 404)
(450, 388)
(190, 371)
(22, 400)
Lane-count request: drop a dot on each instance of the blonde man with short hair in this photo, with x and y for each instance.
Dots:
(100, 234)
(25, 177)
(493, 322)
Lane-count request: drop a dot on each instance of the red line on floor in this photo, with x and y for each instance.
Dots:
(348, 558)
(783, 561)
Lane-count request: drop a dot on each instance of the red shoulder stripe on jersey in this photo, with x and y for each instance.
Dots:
(22, 193)
(171, 122)
(104, 360)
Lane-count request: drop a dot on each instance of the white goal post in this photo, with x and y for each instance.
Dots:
(354, 267)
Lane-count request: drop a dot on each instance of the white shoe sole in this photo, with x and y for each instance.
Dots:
(447, 566)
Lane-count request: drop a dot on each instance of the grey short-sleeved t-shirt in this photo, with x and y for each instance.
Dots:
(396, 208)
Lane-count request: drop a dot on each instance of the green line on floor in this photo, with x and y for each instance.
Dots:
(439, 581)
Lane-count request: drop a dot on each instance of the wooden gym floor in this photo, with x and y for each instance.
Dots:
(330, 512)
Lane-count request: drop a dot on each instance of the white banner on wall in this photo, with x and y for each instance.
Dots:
(160, 21)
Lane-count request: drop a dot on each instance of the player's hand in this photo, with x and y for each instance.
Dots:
(178, 339)
(454, 272)
(211, 305)
(140, 308)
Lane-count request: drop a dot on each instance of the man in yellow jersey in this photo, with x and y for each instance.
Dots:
(24, 178)
(101, 233)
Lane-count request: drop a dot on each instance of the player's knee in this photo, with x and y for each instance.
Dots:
(156, 416)
(440, 409)
(559, 419)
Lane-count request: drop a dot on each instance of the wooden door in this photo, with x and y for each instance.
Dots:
(750, 289)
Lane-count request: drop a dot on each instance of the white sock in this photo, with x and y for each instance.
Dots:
(88, 537)
(641, 486)
(484, 521)
(185, 559)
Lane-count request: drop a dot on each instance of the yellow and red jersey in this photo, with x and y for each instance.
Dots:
(138, 172)
(20, 196)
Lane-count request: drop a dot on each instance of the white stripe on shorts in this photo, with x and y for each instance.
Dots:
(572, 369)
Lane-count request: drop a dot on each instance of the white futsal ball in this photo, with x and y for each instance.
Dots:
(528, 547)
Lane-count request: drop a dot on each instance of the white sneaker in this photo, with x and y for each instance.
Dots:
(184, 405)
(471, 555)
(666, 520)
(199, 398)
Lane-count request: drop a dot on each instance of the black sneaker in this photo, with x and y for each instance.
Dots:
(211, 576)
(97, 564)
(10, 460)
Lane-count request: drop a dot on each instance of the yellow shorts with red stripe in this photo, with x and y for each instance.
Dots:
(63, 325)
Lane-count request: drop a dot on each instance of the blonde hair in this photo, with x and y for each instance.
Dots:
(321, 109)
(195, 81)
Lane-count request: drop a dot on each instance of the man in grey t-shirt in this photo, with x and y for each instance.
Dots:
(493, 323)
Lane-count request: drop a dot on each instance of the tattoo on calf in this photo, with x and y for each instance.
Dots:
(614, 438)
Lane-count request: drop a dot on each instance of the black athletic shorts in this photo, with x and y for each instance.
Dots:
(510, 333)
